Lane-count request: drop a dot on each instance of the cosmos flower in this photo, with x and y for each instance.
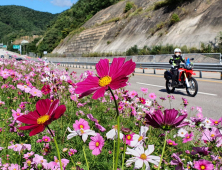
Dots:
(114, 77)
(46, 112)
(203, 165)
(96, 144)
(167, 121)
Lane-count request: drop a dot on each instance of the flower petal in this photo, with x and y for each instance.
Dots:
(102, 67)
(118, 82)
(149, 150)
(37, 130)
(99, 93)
(115, 66)
(42, 106)
(138, 164)
(28, 127)
(59, 112)
(89, 83)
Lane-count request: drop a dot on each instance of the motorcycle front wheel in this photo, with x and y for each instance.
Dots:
(193, 89)
(169, 87)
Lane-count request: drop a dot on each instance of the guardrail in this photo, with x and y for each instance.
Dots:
(197, 66)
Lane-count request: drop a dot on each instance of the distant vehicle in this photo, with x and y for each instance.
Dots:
(19, 59)
(2, 56)
(10, 57)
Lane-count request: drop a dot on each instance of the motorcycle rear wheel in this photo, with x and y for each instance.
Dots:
(169, 87)
(193, 89)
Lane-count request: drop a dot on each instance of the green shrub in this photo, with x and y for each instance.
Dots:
(174, 19)
(160, 4)
(108, 42)
(129, 6)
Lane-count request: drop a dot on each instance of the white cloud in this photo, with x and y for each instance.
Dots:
(62, 3)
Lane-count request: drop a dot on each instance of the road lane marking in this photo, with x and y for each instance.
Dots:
(210, 94)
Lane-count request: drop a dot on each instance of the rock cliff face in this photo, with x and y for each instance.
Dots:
(200, 21)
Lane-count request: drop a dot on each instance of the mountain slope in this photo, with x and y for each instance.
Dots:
(149, 23)
(20, 21)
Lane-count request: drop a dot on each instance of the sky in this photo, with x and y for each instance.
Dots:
(52, 6)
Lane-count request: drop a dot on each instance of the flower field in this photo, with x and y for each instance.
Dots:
(56, 120)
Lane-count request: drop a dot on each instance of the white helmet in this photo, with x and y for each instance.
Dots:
(177, 50)
(45, 58)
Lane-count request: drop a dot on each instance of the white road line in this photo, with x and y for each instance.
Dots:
(176, 89)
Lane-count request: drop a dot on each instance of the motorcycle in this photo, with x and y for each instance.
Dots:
(185, 79)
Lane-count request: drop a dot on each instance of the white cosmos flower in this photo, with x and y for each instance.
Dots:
(44, 79)
(182, 132)
(207, 123)
(81, 132)
(148, 102)
(113, 133)
(139, 139)
(142, 157)
(63, 77)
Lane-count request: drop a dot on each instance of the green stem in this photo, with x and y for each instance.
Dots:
(118, 129)
(124, 150)
(57, 148)
(85, 157)
(114, 153)
(163, 150)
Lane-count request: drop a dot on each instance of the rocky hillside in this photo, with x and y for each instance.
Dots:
(153, 22)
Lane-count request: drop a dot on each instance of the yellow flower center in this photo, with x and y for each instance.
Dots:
(43, 119)
(143, 156)
(115, 127)
(82, 131)
(56, 160)
(81, 126)
(18, 114)
(212, 135)
(188, 137)
(216, 122)
(105, 81)
(181, 132)
(202, 167)
(140, 138)
(97, 143)
(128, 137)
(46, 140)
(35, 92)
(171, 143)
(29, 162)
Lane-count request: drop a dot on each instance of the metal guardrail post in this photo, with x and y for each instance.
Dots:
(143, 70)
(200, 74)
(221, 75)
(154, 71)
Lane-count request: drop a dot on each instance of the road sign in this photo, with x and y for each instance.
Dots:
(16, 46)
(5, 46)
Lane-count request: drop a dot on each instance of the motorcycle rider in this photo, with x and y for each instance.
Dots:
(175, 60)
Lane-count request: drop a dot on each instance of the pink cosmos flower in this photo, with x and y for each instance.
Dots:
(2, 103)
(72, 151)
(28, 154)
(81, 124)
(128, 138)
(152, 96)
(188, 137)
(203, 165)
(199, 109)
(16, 113)
(74, 98)
(39, 159)
(215, 122)
(35, 92)
(132, 94)
(39, 141)
(144, 90)
(114, 77)
(177, 161)
(172, 143)
(46, 139)
(96, 144)
(16, 147)
(14, 167)
(210, 135)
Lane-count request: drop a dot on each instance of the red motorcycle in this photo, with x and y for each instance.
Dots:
(185, 79)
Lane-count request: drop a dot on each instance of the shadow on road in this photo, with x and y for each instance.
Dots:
(175, 92)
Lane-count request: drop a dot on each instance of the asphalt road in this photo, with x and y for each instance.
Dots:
(209, 95)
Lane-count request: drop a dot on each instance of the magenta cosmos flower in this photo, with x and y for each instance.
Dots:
(46, 112)
(203, 165)
(113, 76)
(96, 144)
(167, 121)
(81, 124)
